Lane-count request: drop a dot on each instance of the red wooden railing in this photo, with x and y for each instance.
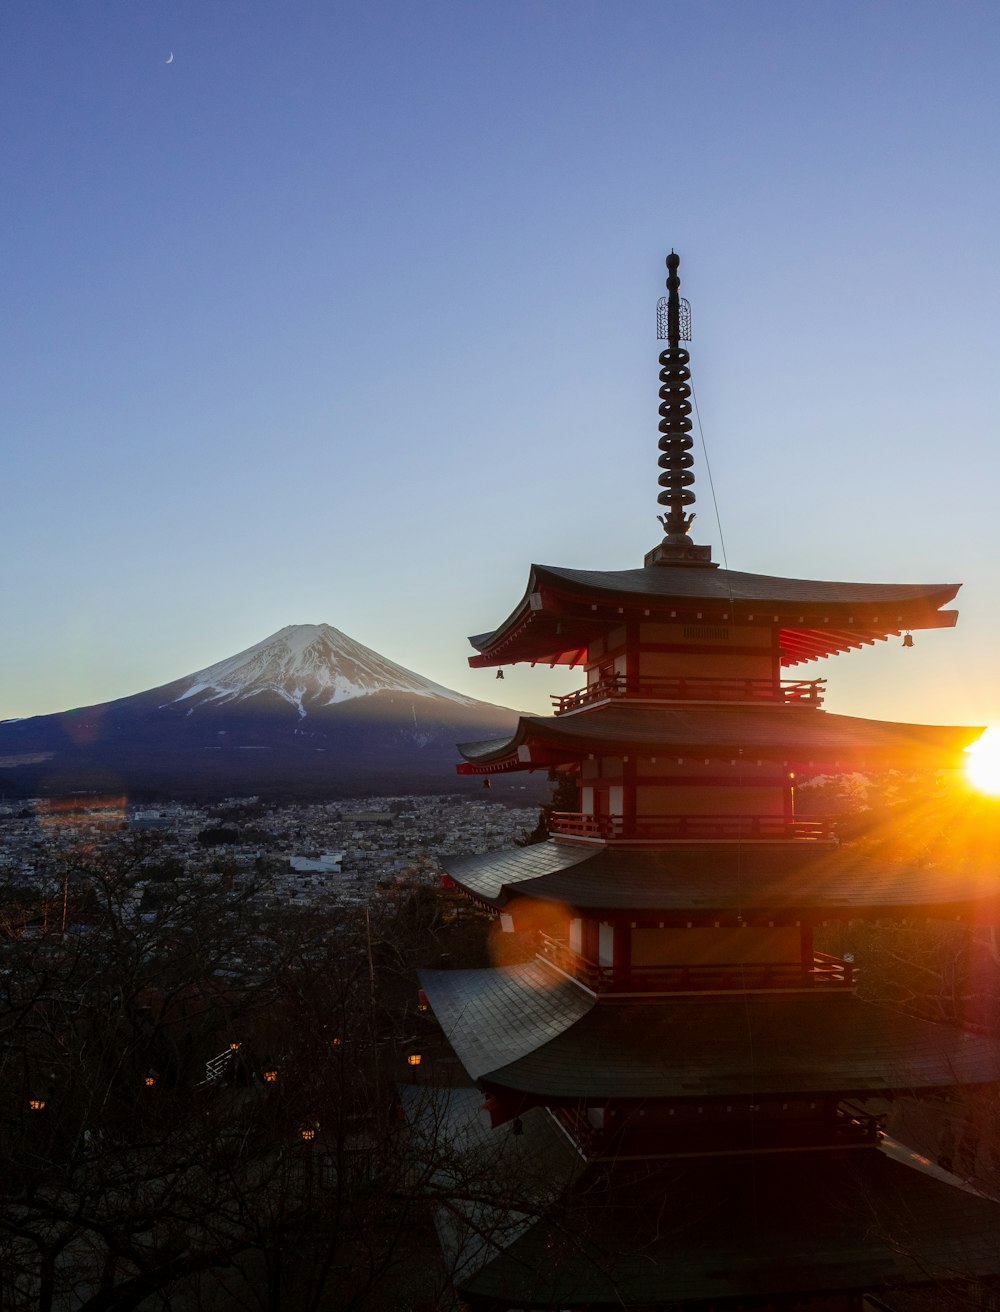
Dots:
(801, 691)
(736, 977)
(666, 828)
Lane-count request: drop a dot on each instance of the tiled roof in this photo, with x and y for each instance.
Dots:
(733, 585)
(775, 878)
(791, 733)
(527, 1029)
(500, 1016)
(563, 609)
(714, 1231)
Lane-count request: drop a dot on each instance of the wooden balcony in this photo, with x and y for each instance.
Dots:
(737, 977)
(687, 828)
(803, 692)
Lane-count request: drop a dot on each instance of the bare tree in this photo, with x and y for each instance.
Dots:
(289, 1180)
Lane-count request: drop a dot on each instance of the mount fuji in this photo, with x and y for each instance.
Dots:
(307, 712)
(310, 667)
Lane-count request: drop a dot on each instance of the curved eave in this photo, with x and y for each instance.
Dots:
(800, 736)
(564, 610)
(524, 1030)
(694, 1233)
(787, 883)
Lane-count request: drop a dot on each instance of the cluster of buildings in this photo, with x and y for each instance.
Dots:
(313, 853)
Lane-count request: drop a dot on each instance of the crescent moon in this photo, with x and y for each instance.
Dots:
(170, 58)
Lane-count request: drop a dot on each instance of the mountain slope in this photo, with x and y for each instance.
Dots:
(309, 666)
(308, 711)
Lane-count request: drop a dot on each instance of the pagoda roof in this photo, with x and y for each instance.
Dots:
(712, 1232)
(777, 879)
(787, 733)
(530, 1030)
(563, 610)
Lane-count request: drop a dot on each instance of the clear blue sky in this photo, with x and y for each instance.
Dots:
(346, 315)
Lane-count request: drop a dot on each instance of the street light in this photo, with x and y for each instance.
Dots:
(270, 1073)
(308, 1132)
(36, 1104)
(414, 1059)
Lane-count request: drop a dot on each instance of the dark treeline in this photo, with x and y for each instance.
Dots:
(290, 1179)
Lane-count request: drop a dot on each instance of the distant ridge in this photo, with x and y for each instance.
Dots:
(307, 712)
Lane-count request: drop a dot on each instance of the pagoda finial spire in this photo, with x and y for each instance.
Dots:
(673, 317)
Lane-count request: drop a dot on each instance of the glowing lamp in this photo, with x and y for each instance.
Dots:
(414, 1059)
(149, 1080)
(36, 1104)
(234, 1046)
(308, 1133)
(270, 1075)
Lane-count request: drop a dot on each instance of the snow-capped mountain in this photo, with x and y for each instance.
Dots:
(308, 711)
(309, 666)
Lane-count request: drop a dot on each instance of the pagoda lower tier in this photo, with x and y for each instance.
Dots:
(682, 883)
(781, 1231)
(677, 1004)
(712, 918)
(530, 1031)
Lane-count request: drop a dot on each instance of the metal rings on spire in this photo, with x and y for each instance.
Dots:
(676, 442)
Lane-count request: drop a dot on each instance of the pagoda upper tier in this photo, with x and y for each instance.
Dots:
(564, 611)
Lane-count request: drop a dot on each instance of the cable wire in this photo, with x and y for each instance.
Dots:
(711, 484)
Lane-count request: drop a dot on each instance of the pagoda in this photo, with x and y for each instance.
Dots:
(710, 1081)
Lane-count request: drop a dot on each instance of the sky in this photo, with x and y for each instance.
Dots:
(344, 313)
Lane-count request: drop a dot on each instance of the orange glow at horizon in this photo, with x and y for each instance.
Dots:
(982, 766)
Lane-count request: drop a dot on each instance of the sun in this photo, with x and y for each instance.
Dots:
(982, 764)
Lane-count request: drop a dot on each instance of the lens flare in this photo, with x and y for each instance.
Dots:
(982, 764)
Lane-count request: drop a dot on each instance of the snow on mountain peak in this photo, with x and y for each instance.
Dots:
(309, 665)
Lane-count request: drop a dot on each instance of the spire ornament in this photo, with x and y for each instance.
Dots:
(673, 321)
